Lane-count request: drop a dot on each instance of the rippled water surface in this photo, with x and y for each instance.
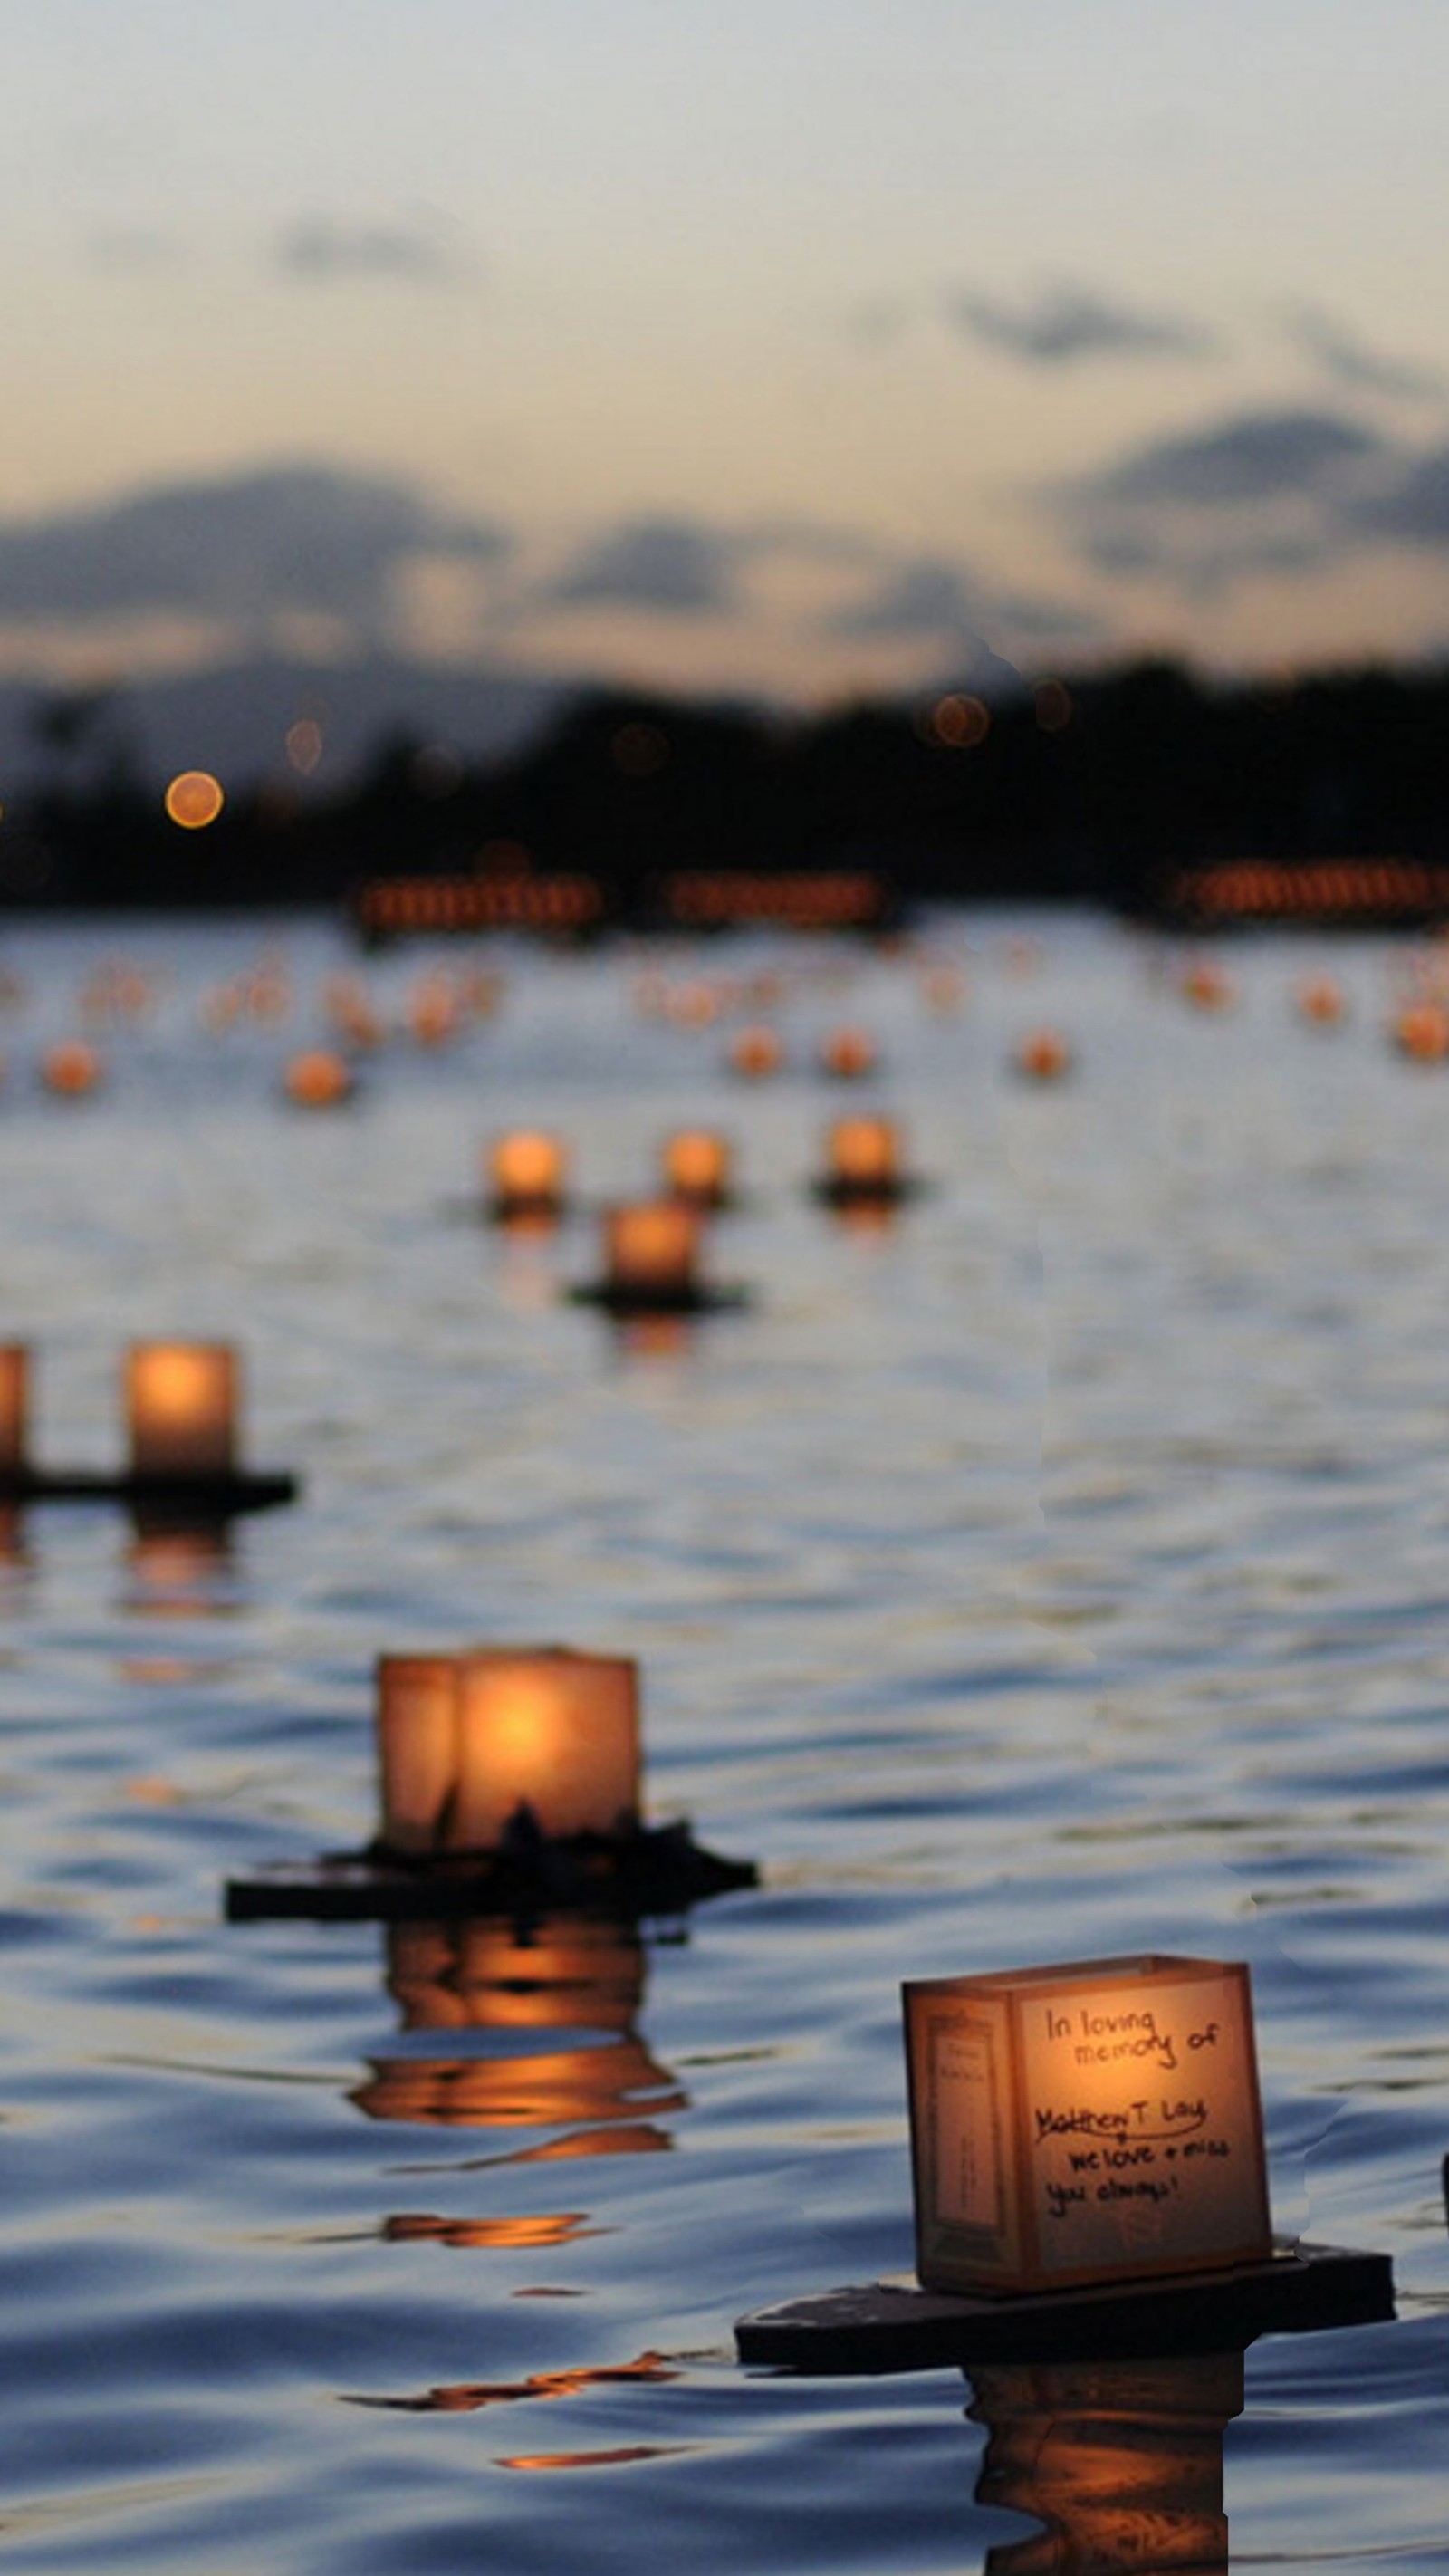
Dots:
(1061, 1570)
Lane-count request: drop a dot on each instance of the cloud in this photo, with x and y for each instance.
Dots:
(1247, 458)
(1412, 507)
(675, 566)
(1066, 324)
(281, 539)
(323, 251)
(927, 596)
(1351, 363)
(1260, 492)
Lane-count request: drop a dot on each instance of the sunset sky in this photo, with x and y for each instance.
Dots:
(783, 347)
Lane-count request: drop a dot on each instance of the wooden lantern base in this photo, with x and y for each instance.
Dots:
(658, 1301)
(831, 1191)
(895, 2326)
(531, 1207)
(179, 1498)
(656, 1869)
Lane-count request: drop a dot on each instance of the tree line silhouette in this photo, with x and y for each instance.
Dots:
(1100, 791)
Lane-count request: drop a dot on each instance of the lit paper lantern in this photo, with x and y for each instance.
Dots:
(466, 1741)
(651, 1249)
(847, 1053)
(14, 1407)
(526, 1174)
(181, 1402)
(863, 1154)
(697, 1166)
(1091, 2122)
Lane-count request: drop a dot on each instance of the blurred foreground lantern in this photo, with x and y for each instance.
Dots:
(697, 1167)
(1085, 2123)
(1043, 1055)
(756, 1052)
(181, 1400)
(14, 1407)
(71, 1070)
(847, 1053)
(525, 1175)
(318, 1078)
(467, 1741)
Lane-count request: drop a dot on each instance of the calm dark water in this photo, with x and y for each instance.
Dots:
(1064, 1570)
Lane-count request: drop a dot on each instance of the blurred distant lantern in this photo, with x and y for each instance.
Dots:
(1421, 1032)
(651, 1248)
(943, 989)
(350, 1010)
(1207, 986)
(181, 1401)
(71, 1070)
(697, 1167)
(194, 799)
(1092, 2122)
(846, 1054)
(526, 1175)
(433, 1011)
(1043, 1055)
(692, 1006)
(863, 1161)
(1053, 705)
(319, 1078)
(473, 1744)
(1321, 1002)
(755, 1052)
(14, 1408)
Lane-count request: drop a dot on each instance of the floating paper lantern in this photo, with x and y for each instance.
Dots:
(1043, 1055)
(14, 1408)
(466, 1741)
(1421, 1032)
(526, 1174)
(1085, 2123)
(1207, 986)
(697, 1167)
(847, 1054)
(863, 1157)
(71, 1070)
(651, 1249)
(756, 1052)
(181, 1401)
(1321, 1001)
(318, 1078)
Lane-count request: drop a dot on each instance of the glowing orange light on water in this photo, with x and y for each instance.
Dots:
(71, 1069)
(756, 1052)
(847, 1053)
(1043, 1056)
(318, 1079)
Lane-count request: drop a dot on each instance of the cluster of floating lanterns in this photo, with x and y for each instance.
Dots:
(1087, 2158)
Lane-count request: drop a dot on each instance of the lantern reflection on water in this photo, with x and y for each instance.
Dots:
(570, 1974)
(466, 1741)
(1122, 2461)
